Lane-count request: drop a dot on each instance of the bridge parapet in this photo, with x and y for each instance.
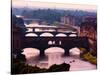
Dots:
(51, 28)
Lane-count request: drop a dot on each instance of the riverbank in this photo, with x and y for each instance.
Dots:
(23, 68)
(88, 56)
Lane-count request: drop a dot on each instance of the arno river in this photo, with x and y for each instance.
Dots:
(54, 55)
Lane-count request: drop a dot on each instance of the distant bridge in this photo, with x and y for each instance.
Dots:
(52, 30)
(56, 28)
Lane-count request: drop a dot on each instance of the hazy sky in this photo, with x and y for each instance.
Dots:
(34, 4)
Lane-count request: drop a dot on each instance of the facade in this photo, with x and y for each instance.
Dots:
(68, 20)
(89, 29)
(17, 39)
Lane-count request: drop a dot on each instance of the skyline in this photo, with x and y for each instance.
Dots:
(51, 5)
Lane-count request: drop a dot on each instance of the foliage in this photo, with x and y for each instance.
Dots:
(93, 52)
(83, 50)
(57, 68)
(89, 57)
(22, 68)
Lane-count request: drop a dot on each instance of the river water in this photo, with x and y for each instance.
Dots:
(55, 56)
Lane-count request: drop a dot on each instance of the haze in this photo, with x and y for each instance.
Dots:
(35, 4)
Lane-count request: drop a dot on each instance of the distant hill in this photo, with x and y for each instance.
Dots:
(52, 15)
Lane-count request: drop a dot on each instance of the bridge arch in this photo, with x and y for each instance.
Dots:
(74, 51)
(72, 35)
(46, 35)
(61, 35)
(31, 35)
(54, 49)
(30, 52)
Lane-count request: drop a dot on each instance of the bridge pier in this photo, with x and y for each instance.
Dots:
(42, 53)
(66, 53)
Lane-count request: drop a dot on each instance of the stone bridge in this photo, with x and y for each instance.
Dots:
(42, 43)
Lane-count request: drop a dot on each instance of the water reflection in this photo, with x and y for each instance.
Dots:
(54, 56)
